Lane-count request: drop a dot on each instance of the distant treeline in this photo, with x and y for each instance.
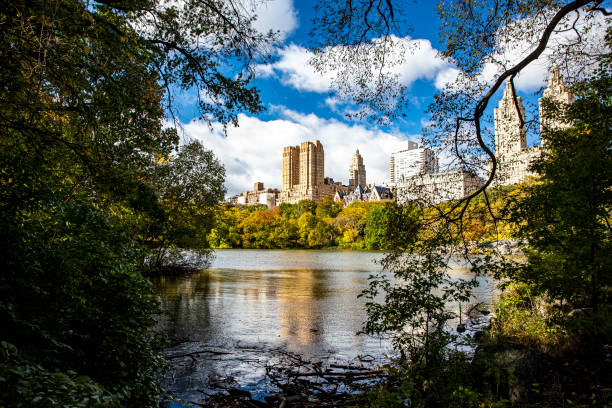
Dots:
(361, 225)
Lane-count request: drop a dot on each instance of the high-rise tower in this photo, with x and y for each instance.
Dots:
(556, 92)
(510, 136)
(411, 162)
(303, 174)
(357, 172)
(312, 165)
(291, 167)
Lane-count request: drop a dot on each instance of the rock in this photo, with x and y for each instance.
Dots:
(511, 373)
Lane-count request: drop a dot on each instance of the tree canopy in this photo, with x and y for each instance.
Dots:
(94, 185)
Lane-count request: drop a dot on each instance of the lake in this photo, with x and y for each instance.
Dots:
(230, 321)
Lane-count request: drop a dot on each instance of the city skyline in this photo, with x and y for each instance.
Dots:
(300, 106)
(303, 166)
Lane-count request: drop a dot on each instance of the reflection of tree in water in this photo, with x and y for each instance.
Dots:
(186, 310)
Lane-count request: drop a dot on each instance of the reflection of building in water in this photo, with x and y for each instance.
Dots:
(298, 307)
(186, 311)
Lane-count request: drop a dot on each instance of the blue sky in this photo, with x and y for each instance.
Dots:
(300, 106)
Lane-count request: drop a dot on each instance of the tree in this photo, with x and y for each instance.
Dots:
(361, 46)
(83, 116)
(328, 208)
(376, 225)
(190, 186)
(565, 217)
(411, 306)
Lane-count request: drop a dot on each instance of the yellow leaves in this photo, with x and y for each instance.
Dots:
(160, 159)
(56, 117)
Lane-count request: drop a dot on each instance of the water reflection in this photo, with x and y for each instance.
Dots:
(301, 301)
(306, 310)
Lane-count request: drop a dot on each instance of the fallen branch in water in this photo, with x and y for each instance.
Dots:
(302, 383)
(193, 353)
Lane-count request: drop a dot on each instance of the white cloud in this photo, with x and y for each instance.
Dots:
(294, 70)
(276, 15)
(535, 75)
(253, 151)
(446, 76)
(418, 60)
(421, 62)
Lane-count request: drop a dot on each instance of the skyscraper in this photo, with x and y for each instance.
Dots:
(303, 174)
(357, 172)
(510, 136)
(411, 162)
(312, 164)
(291, 167)
(556, 92)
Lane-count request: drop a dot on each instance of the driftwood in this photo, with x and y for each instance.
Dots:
(302, 383)
(195, 353)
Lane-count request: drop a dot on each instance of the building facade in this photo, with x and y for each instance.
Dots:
(363, 193)
(556, 92)
(434, 188)
(259, 195)
(303, 172)
(514, 158)
(357, 172)
(411, 162)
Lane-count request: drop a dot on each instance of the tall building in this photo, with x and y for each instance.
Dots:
(556, 92)
(411, 162)
(291, 167)
(510, 136)
(514, 158)
(312, 165)
(357, 172)
(303, 174)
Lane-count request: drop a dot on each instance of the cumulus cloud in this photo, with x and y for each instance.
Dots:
(419, 60)
(294, 70)
(253, 151)
(276, 15)
(535, 75)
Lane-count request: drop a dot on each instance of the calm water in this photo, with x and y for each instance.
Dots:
(252, 303)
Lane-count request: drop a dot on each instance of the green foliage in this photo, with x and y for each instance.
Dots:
(564, 218)
(418, 385)
(413, 307)
(328, 208)
(376, 227)
(303, 225)
(27, 384)
(524, 319)
(93, 184)
(189, 188)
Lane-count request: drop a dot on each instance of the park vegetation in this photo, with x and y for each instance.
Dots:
(327, 224)
(97, 189)
(548, 344)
